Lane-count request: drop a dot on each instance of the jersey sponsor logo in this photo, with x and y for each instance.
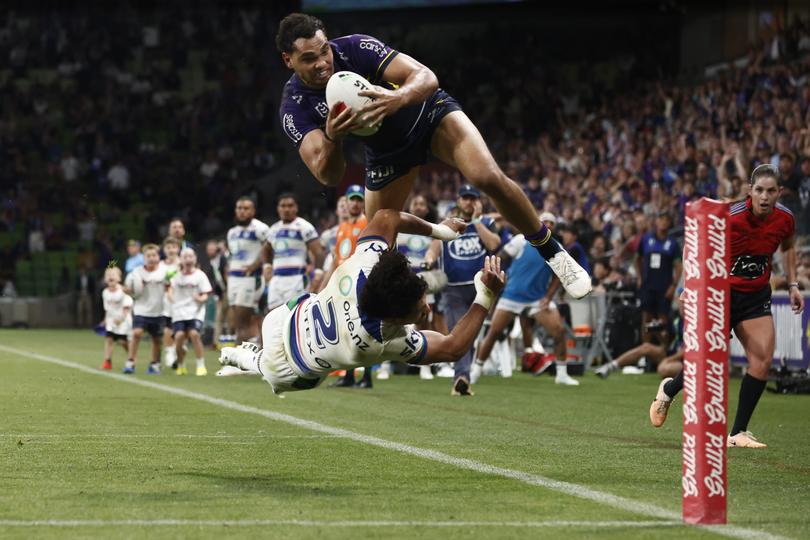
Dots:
(325, 327)
(749, 266)
(322, 109)
(345, 285)
(359, 342)
(376, 248)
(378, 174)
(290, 129)
(298, 98)
(375, 46)
(466, 248)
(411, 342)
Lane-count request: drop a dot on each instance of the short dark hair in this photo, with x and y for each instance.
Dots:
(765, 169)
(392, 289)
(287, 195)
(246, 198)
(294, 26)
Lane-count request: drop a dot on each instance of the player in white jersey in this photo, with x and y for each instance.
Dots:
(188, 292)
(366, 313)
(329, 237)
(291, 239)
(147, 285)
(248, 248)
(171, 249)
(117, 320)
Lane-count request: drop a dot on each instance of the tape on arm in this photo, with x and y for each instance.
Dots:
(483, 295)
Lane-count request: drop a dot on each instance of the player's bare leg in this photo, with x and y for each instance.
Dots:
(551, 320)
(458, 143)
(501, 319)
(392, 196)
(758, 338)
(196, 342)
(242, 323)
(179, 341)
(653, 353)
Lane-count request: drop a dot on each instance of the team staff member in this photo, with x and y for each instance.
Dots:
(461, 259)
(759, 225)
(416, 118)
(529, 291)
(248, 248)
(658, 267)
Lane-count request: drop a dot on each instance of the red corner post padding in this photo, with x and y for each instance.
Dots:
(705, 300)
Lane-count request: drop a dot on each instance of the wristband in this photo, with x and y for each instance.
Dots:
(794, 284)
(442, 232)
(483, 296)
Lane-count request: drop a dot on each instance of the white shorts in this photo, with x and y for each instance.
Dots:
(275, 367)
(518, 308)
(282, 289)
(242, 291)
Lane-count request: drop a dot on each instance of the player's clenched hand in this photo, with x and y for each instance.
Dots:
(458, 225)
(796, 300)
(384, 103)
(340, 121)
(493, 277)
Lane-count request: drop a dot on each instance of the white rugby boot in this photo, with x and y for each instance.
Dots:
(573, 277)
(245, 357)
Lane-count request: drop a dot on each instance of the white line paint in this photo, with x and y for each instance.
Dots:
(568, 488)
(325, 523)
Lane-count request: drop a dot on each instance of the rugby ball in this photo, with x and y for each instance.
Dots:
(343, 87)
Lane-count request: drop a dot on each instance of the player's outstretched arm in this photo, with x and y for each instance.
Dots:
(489, 282)
(387, 223)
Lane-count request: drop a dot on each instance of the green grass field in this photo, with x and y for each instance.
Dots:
(89, 455)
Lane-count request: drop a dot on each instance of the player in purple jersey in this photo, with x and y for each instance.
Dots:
(420, 119)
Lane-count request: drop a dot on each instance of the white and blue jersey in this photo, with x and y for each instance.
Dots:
(289, 242)
(245, 245)
(327, 331)
(528, 276)
(463, 257)
(415, 247)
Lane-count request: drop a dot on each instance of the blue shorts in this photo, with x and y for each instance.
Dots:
(382, 169)
(153, 325)
(655, 302)
(187, 326)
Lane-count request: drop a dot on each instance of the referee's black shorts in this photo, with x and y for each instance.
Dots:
(750, 305)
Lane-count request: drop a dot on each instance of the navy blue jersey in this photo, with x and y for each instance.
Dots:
(658, 257)
(304, 108)
(463, 257)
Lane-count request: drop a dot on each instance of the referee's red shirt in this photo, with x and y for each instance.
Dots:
(753, 242)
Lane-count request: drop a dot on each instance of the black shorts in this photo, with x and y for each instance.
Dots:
(116, 337)
(750, 305)
(655, 302)
(153, 325)
(382, 169)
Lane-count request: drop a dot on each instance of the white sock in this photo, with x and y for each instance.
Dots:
(614, 365)
(200, 362)
(129, 364)
(528, 350)
(562, 369)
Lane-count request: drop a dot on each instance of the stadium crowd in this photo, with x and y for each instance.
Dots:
(176, 115)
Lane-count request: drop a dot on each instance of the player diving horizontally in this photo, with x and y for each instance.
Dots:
(759, 225)
(416, 117)
(367, 313)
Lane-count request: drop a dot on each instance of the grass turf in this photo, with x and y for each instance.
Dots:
(75, 446)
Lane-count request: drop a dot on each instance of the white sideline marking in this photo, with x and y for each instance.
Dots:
(325, 523)
(568, 488)
(162, 437)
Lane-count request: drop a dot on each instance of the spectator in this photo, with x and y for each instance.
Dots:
(135, 257)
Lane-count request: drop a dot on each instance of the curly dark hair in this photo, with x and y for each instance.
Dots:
(392, 289)
(294, 26)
